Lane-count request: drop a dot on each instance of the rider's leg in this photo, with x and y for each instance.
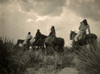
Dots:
(81, 35)
(77, 37)
(52, 38)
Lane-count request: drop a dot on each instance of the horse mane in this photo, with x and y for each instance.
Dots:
(72, 33)
(44, 36)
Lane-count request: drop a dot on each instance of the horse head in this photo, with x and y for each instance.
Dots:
(72, 35)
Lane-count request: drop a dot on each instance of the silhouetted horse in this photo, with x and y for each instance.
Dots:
(19, 41)
(89, 38)
(57, 44)
(25, 46)
(39, 41)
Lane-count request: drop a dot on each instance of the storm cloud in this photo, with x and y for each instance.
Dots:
(86, 8)
(6, 1)
(43, 7)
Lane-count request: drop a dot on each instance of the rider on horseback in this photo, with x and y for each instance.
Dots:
(38, 34)
(82, 30)
(52, 33)
(51, 36)
(28, 38)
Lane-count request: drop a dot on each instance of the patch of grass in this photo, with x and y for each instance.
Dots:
(9, 61)
(17, 61)
(8, 64)
(52, 62)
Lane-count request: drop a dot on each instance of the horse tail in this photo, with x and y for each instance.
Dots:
(92, 38)
(62, 43)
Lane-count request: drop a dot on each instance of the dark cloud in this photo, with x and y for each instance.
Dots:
(13, 22)
(43, 7)
(86, 8)
(5, 1)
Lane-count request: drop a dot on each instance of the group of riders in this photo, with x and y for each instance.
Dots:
(51, 38)
(52, 35)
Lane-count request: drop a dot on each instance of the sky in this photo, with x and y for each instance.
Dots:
(18, 17)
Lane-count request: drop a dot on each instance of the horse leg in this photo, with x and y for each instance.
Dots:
(24, 47)
(28, 46)
(33, 47)
(43, 47)
(38, 47)
(55, 47)
(62, 49)
(73, 44)
(46, 48)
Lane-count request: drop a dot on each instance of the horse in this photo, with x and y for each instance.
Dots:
(19, 41)
(24, 43)
(57, 44)
(88, 39)
(39, 41)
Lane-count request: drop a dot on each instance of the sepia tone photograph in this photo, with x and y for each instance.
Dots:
(49, 37)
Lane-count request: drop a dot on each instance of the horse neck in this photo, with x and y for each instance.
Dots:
(43, 36)
(73, 36)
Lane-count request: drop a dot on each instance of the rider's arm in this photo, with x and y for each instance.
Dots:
(89, 29)
(31, 36)
(50, 33)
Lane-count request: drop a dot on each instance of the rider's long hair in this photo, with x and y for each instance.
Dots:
(29, 33)
(85, 22)
(52, 28)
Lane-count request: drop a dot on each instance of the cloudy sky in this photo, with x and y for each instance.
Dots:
(18, 17)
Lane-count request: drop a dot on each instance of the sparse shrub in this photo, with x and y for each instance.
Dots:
(9, 62)
(89, 60)
(36, 58)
